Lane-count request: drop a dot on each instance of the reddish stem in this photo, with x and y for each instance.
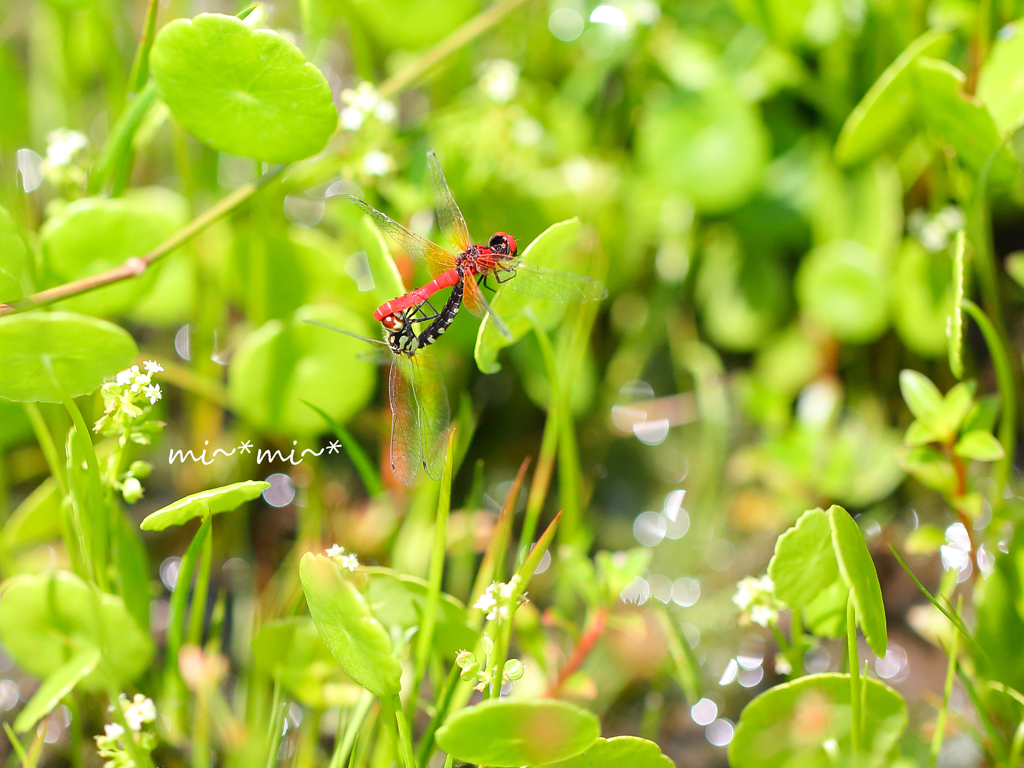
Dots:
(583, 648)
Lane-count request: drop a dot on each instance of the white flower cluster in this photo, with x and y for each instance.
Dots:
(361, 102)
(500, 599)
(110, 745)
(377, 163)
(935, 231)
(756, 601)
(124, 398)
(62, 148)
(349, 561)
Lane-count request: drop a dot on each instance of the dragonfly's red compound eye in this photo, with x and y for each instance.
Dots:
(503, 243)
(393, 323)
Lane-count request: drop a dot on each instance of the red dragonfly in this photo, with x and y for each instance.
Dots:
(464, 261)
(419, 402)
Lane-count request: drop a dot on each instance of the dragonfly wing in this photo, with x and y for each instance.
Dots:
(432, 411)
(474, 300)
(432, 256)
(556, 285)
(449, 218)
(406, 454)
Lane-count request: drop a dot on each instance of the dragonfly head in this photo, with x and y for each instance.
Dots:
(503, 244)
(399, 334)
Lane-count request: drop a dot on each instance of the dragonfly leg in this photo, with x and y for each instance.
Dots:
(418, 315)
(509, 273)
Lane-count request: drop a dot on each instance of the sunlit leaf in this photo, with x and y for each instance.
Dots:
(979, 445)
(956, 318)
(211, 502)
(620, 751)
(960, 121)
(1000, 84)
(285, 362)
(56, 687)
(767, 735)
(858, 572)
(549, 249)
(922, 397)
(888, 105)
(48, 618)
(348, 628)
(244, 91)
(510, 733)
(922, 298)
(45, 356)
(804, 563)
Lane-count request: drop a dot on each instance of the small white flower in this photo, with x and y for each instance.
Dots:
(153, 393)
(124, 378)
(152, 366)
(486, 601)
(113, 731)
(352, 119)
(763, 615)
(63, 145)
(363, 97)
(377, 163)
(142, 710)
(335, 551)
(134, 369)
(349, 562)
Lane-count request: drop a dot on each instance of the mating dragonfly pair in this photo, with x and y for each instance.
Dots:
(419, 403)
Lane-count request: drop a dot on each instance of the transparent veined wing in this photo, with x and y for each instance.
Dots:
(449, 218)
(406, 453)
(431, 255)
(473, 299)
(553, 284)
(432, 411)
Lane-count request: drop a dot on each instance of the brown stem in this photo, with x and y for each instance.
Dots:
(583, 648)
(137, 265)
(960, 469)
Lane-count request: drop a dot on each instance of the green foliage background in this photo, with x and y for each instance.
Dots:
(770, 190)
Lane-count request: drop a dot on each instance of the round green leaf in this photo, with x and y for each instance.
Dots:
(411, 24)
(359, 643)
(621, 751)
(47, 356)
(398, 600)
(859, 574)
(508, 732)
(804, 563)
(223, 499)
(291, 651)
(790, 723)
(285, 362)
(98, 233)
(844, 286)
(547, 250)
(888, 104)
(244, 91)
(922, 298)
(711, 146)
(46, 619)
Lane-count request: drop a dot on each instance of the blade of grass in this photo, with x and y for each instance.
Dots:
(1007, 390)
(994, 737)
(117, 152)
(197, 611)
(344, 748)
(954, 619)
(425, 638)
(16, 745)
(685, 663)
(140, 67)
(360, 460)
(940, 720)
(274, 733)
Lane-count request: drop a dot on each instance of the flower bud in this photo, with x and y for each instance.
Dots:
(140, 469)
(487, 644)
(470, 672)
(514, 669)
(131, 489)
